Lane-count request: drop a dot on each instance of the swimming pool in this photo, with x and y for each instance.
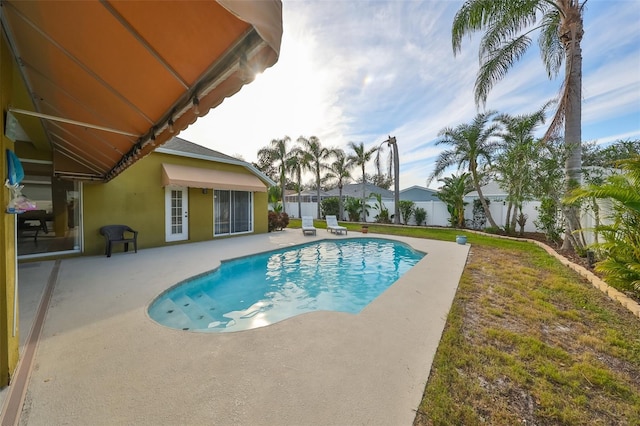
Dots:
(338, 275)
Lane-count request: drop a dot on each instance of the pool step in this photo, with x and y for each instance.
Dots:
(170, 314)
(198, 314)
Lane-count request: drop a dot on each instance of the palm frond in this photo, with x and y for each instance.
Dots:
(496, 64)
(551, 49)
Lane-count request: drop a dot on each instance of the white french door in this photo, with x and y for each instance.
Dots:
(176, 213)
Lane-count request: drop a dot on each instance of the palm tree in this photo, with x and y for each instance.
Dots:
(277, 153)
(361, 157)
(621, 249)
(519, 150)
(393, 163)
(508, 25)
(295, 165)
(315, 160)
(452, 193)
(472, 145)
(341, 171)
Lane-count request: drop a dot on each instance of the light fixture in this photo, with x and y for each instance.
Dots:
(170, 124)
(196, 104)
(205, 190)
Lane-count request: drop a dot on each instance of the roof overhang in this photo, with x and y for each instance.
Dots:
(111, 80)
(197, 177)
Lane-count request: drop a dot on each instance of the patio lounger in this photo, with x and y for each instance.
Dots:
(116, 234)
(332, 225)
(307, 225)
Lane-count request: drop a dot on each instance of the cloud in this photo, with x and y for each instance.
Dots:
(363, 70)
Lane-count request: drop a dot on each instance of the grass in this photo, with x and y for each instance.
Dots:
(527, 341)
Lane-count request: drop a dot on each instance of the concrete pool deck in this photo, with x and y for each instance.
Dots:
(102, 361)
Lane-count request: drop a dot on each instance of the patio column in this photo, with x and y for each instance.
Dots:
(8, 317)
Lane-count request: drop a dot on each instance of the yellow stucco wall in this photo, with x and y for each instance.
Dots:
(8, 340)
(137, 198)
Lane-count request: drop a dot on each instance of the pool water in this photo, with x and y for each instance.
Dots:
(335, 275)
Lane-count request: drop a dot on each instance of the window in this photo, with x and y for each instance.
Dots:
(233, 212)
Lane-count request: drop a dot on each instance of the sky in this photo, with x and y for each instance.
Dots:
(361, 71)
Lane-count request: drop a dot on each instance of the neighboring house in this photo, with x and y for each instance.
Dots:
(307, 196)
(182, 192)
(419, 193)
(490, 191)
(355, 190)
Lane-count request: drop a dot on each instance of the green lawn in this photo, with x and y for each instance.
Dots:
(527, 341)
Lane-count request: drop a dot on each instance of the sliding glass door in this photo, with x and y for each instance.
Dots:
(233, 212)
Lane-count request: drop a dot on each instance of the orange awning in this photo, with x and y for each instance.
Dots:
(112, 80)
(196, 177)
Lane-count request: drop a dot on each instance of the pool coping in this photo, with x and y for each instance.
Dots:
(101, 361)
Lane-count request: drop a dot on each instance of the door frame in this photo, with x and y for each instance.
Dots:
(184, 213)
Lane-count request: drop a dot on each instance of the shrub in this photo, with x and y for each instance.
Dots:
(420, 215)
(407, 208)
(331, 206)
(277, 221)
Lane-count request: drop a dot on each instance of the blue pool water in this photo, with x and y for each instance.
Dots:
(337, 275)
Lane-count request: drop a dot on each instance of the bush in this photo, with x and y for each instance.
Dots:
(277, 221)
(420, 215)
(407, 208)
(331, 206)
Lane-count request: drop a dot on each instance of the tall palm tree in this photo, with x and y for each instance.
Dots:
(315, 159)
(393, 163)
(508, 25)
(295, 165)
(518, 151)
(472, 145)
(277, 153)
(340, 170)
(361, 157)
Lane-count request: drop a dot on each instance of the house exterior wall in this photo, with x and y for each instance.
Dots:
(137, 198)
(9, 341)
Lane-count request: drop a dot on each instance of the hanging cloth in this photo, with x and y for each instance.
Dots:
(18, 203)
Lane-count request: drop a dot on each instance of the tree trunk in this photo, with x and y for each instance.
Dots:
(396, 180)
(571, 36)
(364, 211)
(340, 208)
(485, 207)
(318, 190)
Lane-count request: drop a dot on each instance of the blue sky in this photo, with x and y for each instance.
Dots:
(363, 70)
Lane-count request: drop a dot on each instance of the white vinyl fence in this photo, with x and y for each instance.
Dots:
(437, 214)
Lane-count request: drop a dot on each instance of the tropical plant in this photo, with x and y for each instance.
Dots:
(518, 151)
(407, 208)
(277, 153)
(420, 215)
(330, 206)
(508, 25)
(383, 211)
(452, 192)
(340, 170)
(549, 219)
(472, 145)
(315, 160)
(361, 157)
(621, 247)
(353, 207)
(273, 197)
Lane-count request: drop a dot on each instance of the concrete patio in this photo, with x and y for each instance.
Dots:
(102, 361)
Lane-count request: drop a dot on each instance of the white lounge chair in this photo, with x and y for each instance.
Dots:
(307, 225)
(332, 225)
